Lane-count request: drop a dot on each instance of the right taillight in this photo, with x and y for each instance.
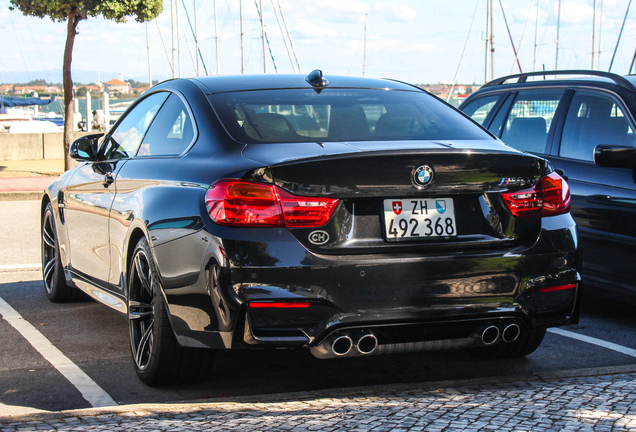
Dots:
(246, 203)
(550, 196)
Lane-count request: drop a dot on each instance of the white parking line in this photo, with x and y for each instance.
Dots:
(612, 346)
(20, 266)
(93, 393)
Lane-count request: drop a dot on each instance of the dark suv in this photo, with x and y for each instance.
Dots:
(584, 124)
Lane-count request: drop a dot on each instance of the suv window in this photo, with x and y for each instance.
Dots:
(528, 123)
(479, 108)
(172, 131)
(594, 118)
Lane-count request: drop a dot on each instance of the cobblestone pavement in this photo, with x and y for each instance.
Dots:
(602, 403)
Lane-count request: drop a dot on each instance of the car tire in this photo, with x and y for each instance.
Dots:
(526, 344)
(157, 355)
(55, 285)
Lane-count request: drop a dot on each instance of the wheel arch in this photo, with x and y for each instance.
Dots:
(135, 235)
(46, 200)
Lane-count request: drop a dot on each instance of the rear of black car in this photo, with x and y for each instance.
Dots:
(379, 221)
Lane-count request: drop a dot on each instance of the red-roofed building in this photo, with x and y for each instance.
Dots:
(36, 89)
(94, 88)
(117, 86)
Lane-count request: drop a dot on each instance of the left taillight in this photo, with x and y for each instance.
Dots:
(244, 203)
(550, 196)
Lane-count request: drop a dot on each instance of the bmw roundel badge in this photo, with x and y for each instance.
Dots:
(422, 176)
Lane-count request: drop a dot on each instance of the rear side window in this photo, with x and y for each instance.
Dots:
(302, 115)
(594, 118)
(172, 131)
(529, 120)
(478, 109)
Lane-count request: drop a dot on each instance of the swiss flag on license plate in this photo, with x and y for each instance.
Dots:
(397, 207)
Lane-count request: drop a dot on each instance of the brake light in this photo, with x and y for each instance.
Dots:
(280, 305)
(243, 203)
(549, 197)
(557, 288)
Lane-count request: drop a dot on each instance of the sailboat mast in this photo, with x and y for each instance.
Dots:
(178, 37)
(263, 37)
(216, 37)
(556, 59)
(593, 34)
(172, 29)
(282, 33)
(291, 42)
(364, 55)
(600, 36)
(196, 36)
(536, 39)
(488, 4)
(492, 43)
(242, 39)
(619, 36)
(148, 47)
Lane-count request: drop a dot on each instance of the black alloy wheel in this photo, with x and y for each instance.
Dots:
(158, 357)
(52, 272)
(141, 313)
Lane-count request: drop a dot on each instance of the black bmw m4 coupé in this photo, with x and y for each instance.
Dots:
(348, 216)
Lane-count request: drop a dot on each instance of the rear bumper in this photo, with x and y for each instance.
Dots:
(401, 298)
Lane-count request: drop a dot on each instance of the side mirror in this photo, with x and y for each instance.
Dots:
(615, 156)
(560, 172)
(85, 148)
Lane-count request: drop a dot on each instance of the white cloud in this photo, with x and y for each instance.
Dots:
(332, 11)
(398, 45)
(307, 29)
(394, 12)
(107, 38)
(521, 15)
(575, 12)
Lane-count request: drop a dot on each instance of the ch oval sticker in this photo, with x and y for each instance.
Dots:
(318, 237)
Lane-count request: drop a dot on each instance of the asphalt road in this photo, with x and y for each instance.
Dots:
(94, 338)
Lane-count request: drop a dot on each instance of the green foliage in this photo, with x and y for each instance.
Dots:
(37, 82)
(81, 92)
(132, 82)
(116, 10)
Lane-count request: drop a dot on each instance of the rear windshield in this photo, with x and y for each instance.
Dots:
(301, 115)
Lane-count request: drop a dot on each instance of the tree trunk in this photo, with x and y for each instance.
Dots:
(73, 19)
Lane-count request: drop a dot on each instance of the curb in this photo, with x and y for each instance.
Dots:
(139, 410)
(21, 196)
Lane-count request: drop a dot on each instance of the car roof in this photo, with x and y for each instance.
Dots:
(232, 83)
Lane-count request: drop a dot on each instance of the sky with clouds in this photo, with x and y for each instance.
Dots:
(418, 41)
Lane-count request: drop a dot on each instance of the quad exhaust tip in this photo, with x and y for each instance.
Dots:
(341, 345)
(490, 335)
(511, 333)
(367, 344)
(344, 344)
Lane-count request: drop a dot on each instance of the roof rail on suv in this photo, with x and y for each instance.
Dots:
(522, 77)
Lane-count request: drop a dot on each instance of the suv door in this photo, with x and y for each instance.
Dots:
(603, 199)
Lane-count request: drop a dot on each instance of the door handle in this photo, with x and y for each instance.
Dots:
(108, 179)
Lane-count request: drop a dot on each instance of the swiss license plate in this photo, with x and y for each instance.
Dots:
(412, 218)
